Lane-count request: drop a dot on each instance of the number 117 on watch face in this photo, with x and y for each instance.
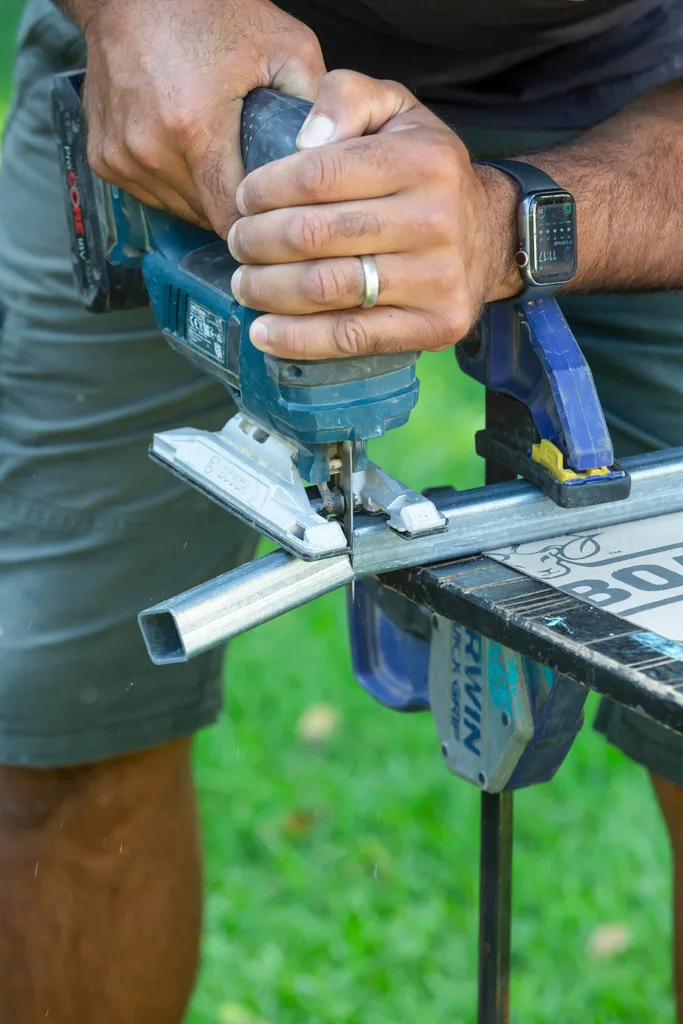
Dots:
(552, 238)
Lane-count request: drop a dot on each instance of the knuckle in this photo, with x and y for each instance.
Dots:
(116, 161)
(326, 284)
(254, 194)
(96, 160)
(358, 224)
(182, 121)
(441, 280)
(448, 155)
(307, 40)
(320, 173)
(397, 87)
(250, 290)
(352, 336)
(448, 328)
(344, 82)
(143, 149)
(437, 222)
(309, 233)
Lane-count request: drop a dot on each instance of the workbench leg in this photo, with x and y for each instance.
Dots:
(495, 873)
(495, 908)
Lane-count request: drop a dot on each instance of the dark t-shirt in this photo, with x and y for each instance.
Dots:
(507, 63)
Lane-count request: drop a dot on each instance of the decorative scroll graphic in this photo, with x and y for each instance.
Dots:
(634, 570)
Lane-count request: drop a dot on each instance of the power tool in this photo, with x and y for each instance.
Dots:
(292, 461)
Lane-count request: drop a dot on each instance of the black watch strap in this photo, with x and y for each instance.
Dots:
(532, 179)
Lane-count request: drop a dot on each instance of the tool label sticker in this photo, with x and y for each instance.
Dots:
(206, 332)
(634, 570)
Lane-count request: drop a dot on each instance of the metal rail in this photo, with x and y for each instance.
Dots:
(497, 515)
(482, 519)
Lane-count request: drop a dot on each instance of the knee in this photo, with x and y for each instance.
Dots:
(89, 804)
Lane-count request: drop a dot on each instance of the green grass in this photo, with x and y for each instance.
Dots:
(341, 878)
(9, 17)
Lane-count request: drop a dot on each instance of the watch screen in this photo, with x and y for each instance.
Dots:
(553, 238)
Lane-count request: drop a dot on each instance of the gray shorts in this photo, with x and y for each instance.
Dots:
(91, 531)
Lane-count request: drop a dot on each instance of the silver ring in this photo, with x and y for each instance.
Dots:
(371, 278)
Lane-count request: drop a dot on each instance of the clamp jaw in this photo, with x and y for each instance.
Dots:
(544, 418)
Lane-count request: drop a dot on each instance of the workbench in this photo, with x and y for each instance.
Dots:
(577, 639)
(633, 666)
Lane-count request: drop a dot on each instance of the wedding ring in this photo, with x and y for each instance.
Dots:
(371, 278)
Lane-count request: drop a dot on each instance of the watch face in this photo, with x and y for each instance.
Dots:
(552, 256)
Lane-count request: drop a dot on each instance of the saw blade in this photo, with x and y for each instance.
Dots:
(347, 490)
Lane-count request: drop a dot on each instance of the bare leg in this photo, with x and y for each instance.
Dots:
(670, 799)
(100, 890)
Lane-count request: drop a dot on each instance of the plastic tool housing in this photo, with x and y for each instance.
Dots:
(127, 255)
(544, 420)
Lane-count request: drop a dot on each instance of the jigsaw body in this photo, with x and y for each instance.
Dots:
(292, 461)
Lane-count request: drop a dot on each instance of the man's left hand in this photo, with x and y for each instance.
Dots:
(377, 174)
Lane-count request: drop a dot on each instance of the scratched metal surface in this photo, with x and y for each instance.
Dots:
(637, 667)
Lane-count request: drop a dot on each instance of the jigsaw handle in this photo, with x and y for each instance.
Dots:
(271, 122)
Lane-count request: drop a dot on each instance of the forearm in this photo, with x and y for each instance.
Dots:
(626, 177)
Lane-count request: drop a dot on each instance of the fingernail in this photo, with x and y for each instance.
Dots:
(235, 285)
(258, 334)
(231, 241)
(316, 132)
(239, 201)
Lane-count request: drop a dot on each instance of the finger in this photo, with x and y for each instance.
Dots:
(338, 229)
(300, 75)
(349, 104)
(215, 163)
(364, 168)
(215, 157)
(150, 191)
(318, 285)
(381, 330)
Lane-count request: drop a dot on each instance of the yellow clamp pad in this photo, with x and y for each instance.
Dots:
(549, 455)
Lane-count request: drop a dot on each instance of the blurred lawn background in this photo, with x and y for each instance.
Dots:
(341, 859)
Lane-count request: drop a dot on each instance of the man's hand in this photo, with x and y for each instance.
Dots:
(164, 91)
(377, 174)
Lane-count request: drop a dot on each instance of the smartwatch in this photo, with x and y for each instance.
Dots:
(547, 256)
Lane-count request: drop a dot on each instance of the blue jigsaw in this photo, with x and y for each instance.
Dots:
(292, 462)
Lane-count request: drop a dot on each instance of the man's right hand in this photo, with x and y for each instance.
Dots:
(164, 91)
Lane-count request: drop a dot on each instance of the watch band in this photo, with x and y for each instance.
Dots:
(531, 179)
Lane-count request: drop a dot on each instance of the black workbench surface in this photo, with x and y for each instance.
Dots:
(635, 667)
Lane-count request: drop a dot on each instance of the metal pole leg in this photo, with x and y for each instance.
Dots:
(495, 873)
(495, 908)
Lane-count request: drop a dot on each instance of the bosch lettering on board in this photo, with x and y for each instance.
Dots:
(634, 570)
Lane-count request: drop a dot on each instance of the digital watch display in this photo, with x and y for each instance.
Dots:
(547, 254)
(551, 253)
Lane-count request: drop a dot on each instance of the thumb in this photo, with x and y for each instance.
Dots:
(349, 105)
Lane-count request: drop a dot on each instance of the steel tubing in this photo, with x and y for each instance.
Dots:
(482, 519)
(498, 515)
(208, 615)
